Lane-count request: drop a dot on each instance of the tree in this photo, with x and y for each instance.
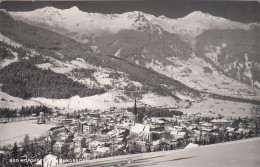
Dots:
(255, 115)
(26, 142)
(15, 152)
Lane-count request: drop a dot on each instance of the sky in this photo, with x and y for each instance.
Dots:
(242, 11)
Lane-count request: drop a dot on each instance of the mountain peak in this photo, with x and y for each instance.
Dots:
(198, 15)
(74, 9)
(75, 20)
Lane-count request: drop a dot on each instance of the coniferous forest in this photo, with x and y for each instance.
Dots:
(23, 79)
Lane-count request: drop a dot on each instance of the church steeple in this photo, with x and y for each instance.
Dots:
(135, 108)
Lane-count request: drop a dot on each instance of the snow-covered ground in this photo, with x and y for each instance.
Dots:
(239, 153)
(213, 107)
(107, 100)
(7, 101)
(57, 66)
(15, 131)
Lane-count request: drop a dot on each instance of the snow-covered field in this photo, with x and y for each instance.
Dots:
(239, 153)
(8, 101)
(15, 131)
(108, 100)
(213, 107)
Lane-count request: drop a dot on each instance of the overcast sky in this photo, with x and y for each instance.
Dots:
(243, 11)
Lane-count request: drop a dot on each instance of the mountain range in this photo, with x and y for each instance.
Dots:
(185, 59)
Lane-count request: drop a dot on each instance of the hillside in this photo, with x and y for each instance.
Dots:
(235, 53)
(144, 37)
(143, 58)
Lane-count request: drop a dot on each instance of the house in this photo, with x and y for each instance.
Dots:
(65, 137)
(177, 134)
(221, 123)
(88, 128)
(93, 145)
(101, 151)
(59, 147)
(66, 121)
(56, 130)
(79, 141)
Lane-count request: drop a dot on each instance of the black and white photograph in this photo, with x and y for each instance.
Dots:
(130, 83)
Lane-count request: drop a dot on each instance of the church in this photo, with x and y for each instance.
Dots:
(139, 130)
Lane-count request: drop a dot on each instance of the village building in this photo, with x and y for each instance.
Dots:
(221, 123)
(141, 132)
(59, 147)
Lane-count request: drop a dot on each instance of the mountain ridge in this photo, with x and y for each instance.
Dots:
(88, 23)
(169, 64)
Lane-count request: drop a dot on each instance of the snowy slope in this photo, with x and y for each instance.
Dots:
(82, 25)
(108, 100)
(192, 73)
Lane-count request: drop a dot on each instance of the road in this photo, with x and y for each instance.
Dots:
(242, 153)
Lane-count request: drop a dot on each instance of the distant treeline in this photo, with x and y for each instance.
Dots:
(23, 79)
(24, 111)
(157, 112)
(83, 73)
(236, 99)
(161, 112)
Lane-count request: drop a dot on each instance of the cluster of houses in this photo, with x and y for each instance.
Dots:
(101, 134)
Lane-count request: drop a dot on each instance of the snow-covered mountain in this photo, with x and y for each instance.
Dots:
(154, 37)
(79, 24)
(197, 22)
(124, 52)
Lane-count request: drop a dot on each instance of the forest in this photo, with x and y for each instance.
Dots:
(23, 79)
(5, 54)
(24, 111)
(162, 112)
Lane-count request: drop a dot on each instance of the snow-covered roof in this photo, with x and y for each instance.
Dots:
(206, 124)
(78, 138)
(156, 142)
(191, 145)
(102, 149)
(147, 128)
(229, 129)
(177, 133)
(95, 143)
(220, 121)
(138, 128)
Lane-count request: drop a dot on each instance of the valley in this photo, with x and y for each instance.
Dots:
(81, 85)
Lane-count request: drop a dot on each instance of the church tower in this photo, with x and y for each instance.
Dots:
(135, 108)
